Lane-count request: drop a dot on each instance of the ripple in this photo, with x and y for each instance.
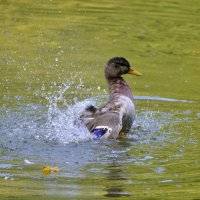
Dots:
(157, 98)
(37, 127)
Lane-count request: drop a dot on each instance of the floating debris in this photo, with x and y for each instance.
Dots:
(48, 170)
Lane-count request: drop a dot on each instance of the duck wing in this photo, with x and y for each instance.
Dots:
(105, 122)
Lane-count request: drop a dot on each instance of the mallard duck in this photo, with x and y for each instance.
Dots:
(118, 114)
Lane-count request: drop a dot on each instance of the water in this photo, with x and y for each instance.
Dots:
(52, 57)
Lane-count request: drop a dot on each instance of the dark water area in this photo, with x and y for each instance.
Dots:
(52, 57)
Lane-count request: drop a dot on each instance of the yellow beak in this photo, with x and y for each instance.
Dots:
(134, 72)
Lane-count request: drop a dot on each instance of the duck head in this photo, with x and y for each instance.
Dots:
(118, 66)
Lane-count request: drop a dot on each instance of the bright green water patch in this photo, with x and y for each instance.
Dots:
(52, 56)
(47, 42)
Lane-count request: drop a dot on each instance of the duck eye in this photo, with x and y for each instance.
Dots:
(125, 69)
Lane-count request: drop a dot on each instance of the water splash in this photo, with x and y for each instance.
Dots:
(150, 126)
(63, 124)
(58, 122)
(38, 125)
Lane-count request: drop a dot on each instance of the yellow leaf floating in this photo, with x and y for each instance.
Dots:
(55, 169)
(47, 170)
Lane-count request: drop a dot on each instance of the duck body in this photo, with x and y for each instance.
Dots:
(118, 114)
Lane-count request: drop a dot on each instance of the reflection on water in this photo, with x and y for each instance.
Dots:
(116, 173)
(51, 61)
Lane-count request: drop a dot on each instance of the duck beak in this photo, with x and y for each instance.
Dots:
(134, 72)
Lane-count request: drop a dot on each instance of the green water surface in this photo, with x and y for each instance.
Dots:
(47, 44)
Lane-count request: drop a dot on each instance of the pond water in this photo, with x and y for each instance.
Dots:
(52, 57)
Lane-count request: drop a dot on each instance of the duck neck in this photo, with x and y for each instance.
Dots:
(119, 87)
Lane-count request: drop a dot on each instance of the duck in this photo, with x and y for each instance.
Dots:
(116, 117)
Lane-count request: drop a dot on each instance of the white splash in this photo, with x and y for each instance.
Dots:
(63, 123)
